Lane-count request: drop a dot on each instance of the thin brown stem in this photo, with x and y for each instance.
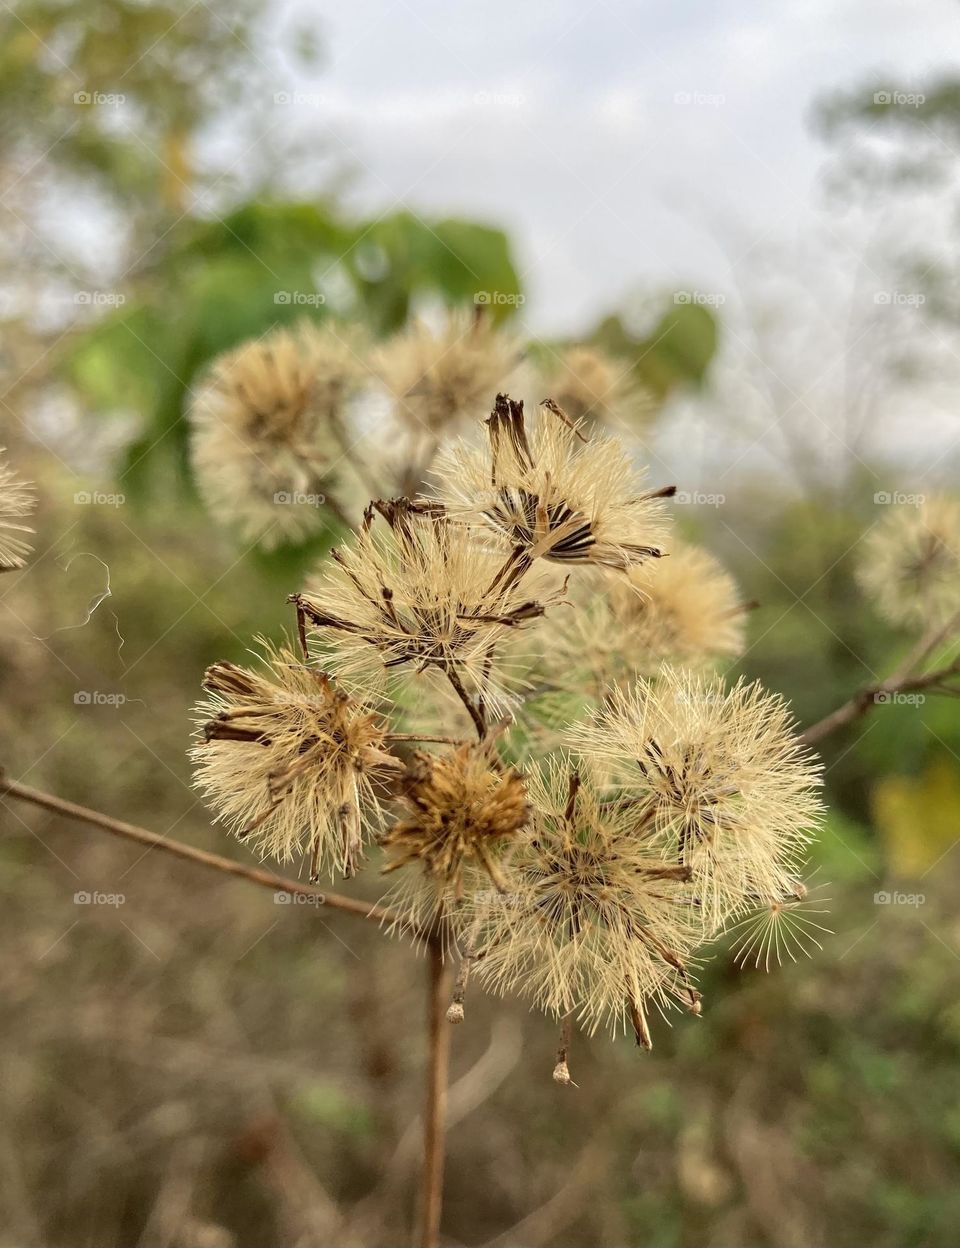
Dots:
(435, 1109)
(876, 695)
(256, 875)
(561, 1071)
(478, 719)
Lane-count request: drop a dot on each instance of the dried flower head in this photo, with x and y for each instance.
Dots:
(594, 922)
(420, 590)
(717, 778)
(268, 430)
(441, 380)
(17, 499)
(291, 760)
(554, 493)
(591, 386)
(685, 609)
(782, 926)
(911, 563)
(463, 808)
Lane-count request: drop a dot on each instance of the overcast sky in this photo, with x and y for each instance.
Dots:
(623, 145)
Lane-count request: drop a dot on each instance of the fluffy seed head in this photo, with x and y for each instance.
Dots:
(463, 807)
(684, 609)
(552, 492)
(441, 380)
(593, 922)
(419, 591)
(268, 433)
(290, 760)
(592, 387)
(719, 781)
(17, 499)
(910, 564)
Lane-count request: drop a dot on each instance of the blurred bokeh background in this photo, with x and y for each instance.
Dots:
(755, 210)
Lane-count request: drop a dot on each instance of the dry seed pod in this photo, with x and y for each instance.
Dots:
(268, 433)
(290, 760)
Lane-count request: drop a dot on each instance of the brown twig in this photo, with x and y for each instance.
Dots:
(478, 718)
(435, 1111)
(876, 695)
(256, 875)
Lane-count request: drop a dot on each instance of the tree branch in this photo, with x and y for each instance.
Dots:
(876, 695)
(256, 875)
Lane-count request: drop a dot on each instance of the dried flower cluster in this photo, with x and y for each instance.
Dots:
(592, 387)
(911, 563)
(418, 590)
(553, 493)
(291, 761)
(268, 431)
(587, 877)
(685, 609)
(442, 380)
(460, 810)
(17, 499)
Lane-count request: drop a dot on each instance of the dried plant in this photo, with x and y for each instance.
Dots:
(910, 564)
(594, 922)
(684, 609)
(419, 591)
(441, 380)
(717, 780)
(17, 499)
(461, 810)
(589, 870)
(783, 926)
(291, 761)
(595, 388)
(553, 492)
(268, 430)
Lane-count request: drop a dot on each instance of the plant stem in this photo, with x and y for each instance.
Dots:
(478, 718)
(875, 695)
(256, 875)
(435, 1109)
